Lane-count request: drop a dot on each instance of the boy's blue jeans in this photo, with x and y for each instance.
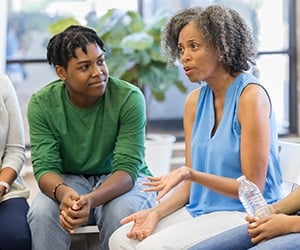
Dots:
(43, 216)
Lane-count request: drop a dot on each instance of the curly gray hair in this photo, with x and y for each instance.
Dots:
(222, 27)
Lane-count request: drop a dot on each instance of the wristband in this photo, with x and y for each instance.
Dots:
(6, 185)
(55, 189)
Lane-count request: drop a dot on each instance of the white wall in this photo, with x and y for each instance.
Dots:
(3, 27)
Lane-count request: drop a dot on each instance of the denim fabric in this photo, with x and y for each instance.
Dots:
(284, 242)
(239, 239)
(43, 216)
(236, 238)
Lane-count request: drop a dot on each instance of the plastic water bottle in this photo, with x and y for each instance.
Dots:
(252, 199)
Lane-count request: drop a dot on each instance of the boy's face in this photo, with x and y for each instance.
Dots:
(86, 76)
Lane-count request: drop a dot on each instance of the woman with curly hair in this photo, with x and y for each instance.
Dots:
(230, 130)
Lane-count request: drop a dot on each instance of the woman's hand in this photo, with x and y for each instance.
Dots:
(144, 222)
(163, 184)
(262, 229)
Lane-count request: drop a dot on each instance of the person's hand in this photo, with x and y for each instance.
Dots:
(163, 184)
(2, 191)
(74, 210)
(262, 229)
(144, 222)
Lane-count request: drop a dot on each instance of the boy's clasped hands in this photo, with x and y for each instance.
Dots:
(74, 210)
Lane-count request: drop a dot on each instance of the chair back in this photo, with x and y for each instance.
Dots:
(289, 157)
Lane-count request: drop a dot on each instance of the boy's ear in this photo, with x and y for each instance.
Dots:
(61, 73)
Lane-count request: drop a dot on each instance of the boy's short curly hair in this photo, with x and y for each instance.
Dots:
(223, 28)
(61, 47)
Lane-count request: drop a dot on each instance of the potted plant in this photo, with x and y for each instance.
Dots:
(134, 55)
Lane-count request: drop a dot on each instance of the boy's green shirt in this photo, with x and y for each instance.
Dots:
(102, 139)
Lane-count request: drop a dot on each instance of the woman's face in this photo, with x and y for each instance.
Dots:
(199, 60)
(86, 76)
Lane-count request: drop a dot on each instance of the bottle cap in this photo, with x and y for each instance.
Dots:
(241, 178)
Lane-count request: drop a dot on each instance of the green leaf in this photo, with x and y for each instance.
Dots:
(156, 55)
(137, 23)
(62, 24)
(117, 68)
(137, 41)
(182, 88)
(159, 96)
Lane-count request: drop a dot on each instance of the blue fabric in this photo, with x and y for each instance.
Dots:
(223, 159)
(238, 239)
(14, 229)
(284, 242)
(233, 239)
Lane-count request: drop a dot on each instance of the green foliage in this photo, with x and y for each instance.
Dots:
(133, 50)
(62, 24)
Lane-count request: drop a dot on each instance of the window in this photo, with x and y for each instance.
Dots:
(276, 63)
(27, 37)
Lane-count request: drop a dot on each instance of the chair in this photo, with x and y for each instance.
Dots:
(85, 238)
(289, 157)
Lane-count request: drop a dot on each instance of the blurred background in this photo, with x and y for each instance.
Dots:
(24, 27)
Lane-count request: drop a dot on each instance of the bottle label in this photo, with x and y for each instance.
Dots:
(262, 212)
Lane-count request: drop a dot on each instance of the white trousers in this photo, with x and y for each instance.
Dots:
(178, 231)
